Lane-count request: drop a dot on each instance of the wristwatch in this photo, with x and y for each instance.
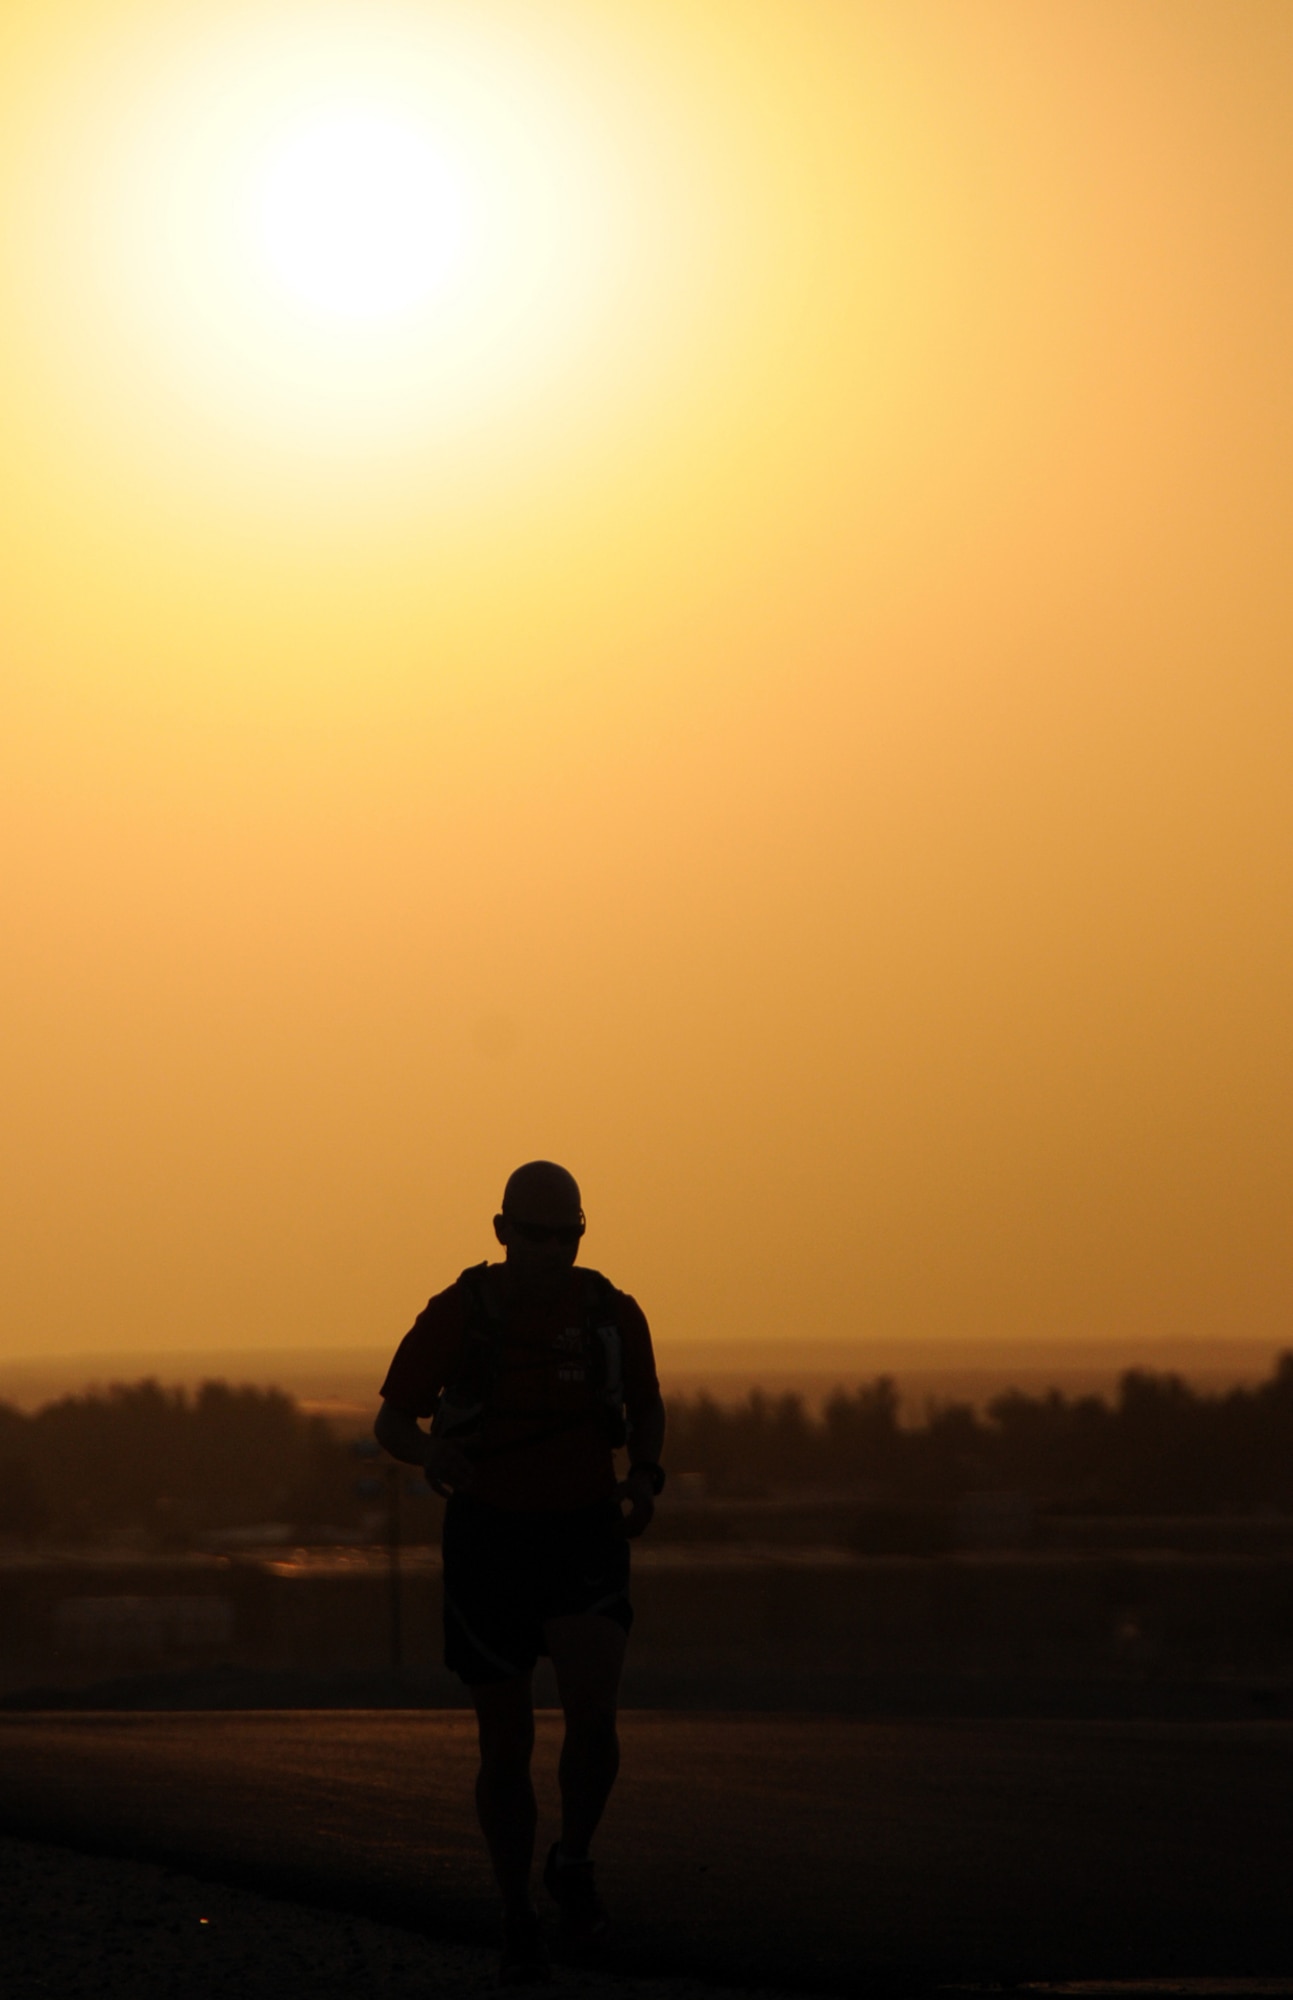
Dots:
(656, 1471)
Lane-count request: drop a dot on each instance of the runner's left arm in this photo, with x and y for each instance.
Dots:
(646, 1442)
(646, 1420)
(646, 1432)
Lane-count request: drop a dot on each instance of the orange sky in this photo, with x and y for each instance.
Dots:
(779, 698)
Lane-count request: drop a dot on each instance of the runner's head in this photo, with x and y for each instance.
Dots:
(541, 1220)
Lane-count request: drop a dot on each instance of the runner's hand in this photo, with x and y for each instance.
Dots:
(637, 1490)
(447, 1467)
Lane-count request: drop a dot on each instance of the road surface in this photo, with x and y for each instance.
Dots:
(795, 1851)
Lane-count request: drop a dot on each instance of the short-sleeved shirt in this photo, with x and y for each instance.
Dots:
(544, 1445)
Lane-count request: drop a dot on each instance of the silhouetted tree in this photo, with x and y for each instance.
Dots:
(1158, 1447)
(169, 1465)
(155, 1460)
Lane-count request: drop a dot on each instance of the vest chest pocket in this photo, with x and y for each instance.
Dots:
(585, 1361)
(570, 1364)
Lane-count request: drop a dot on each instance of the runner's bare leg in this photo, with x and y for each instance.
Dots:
(504, 1793)
(587, 1656)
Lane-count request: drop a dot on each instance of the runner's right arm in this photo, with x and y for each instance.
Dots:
(445, 1463)
(424, 1361)
(400, 1433)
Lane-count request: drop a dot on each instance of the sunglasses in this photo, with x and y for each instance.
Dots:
(542, 1232)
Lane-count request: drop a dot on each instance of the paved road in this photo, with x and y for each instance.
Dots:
(85, 1927)
(781, 1850)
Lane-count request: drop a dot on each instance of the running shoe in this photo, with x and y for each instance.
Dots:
(525, 1958)
(583, 1924)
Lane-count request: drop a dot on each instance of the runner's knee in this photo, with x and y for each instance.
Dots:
(505, 1726)
(592, 1728)
(506, 1750)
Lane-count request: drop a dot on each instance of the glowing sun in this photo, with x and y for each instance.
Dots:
(363, 226)
(358, 215)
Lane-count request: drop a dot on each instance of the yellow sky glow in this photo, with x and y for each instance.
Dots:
(699, 589)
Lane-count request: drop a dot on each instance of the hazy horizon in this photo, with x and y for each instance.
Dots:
(933, 1370)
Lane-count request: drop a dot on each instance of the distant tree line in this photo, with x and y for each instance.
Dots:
(158, 1461)
(169, 1466)
(1157, 1447)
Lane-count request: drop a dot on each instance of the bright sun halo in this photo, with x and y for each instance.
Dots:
(359, 227)
(358, 216)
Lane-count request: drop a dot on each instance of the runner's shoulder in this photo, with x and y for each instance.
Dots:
(443, 1311)
(426, 1356)
(629, 1316)
(613, 1293)
(479, 1287)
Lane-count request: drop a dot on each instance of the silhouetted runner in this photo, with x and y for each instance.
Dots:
(534, 1372)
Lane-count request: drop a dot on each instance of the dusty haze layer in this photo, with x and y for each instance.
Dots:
(808, 748)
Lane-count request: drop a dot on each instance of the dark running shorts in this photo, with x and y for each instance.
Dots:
(505, 1573)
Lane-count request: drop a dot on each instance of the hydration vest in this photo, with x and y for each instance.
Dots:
(467, 1400)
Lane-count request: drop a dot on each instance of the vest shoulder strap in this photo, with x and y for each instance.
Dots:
(483, 1310)
(600, 1296)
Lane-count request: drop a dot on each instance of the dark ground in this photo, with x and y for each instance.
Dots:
(788, 1851)
(77, 1927)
